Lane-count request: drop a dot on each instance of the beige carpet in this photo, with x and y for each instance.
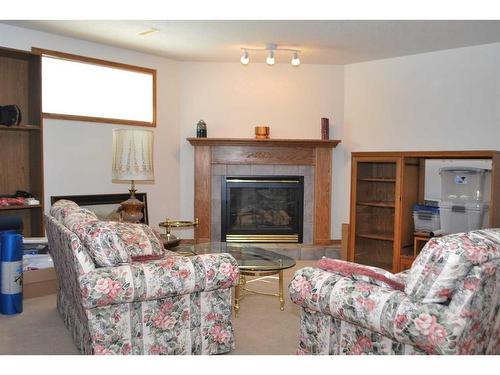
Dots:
(260, 328)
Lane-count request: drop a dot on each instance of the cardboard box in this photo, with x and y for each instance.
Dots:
(37, 283)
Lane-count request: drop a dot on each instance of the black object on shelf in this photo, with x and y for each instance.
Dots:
(201, 129)
(10, 115)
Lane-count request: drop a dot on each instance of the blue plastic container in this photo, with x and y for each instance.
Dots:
(11, 273)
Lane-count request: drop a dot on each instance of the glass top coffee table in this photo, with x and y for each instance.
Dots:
(252, 261)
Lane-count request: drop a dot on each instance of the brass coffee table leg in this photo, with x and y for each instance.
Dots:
(237, 294)
(282, 299)
(240, 290)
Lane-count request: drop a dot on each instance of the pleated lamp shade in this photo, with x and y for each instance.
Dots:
(133, 154)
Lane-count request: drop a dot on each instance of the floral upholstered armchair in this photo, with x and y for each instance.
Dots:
(122, 293)
(447, 303)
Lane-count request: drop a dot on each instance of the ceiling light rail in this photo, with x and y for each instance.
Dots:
(270, 59)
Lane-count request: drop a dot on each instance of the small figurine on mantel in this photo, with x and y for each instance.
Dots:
(201, 129)
(325, 128)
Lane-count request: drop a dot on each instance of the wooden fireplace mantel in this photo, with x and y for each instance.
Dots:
(315, 152)
(263, 142)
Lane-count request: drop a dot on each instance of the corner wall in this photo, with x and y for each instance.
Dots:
(445, 100)
(233, 99)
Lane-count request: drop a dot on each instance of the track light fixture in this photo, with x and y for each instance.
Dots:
(244, 58)
(270, 59)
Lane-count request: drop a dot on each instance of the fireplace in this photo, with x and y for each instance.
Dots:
(262, 208)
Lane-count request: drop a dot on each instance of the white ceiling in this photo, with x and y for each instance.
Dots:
(321, 42)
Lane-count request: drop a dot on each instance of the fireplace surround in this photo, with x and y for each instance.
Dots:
(262, 208)
(311, 158)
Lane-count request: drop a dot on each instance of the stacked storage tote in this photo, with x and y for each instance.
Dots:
(464, 199)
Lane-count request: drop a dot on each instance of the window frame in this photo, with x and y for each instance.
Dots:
(109, 64)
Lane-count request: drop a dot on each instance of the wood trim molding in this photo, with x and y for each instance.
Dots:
(263, 155)
(322, 195)
(330, 143)
(202, 193)
(105, 120)
(92, 60)
(471, 154)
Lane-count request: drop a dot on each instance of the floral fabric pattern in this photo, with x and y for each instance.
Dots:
(445, 261)
(175, 305)
(341, 315)
(77, 216)
(62, 208)
(111, 243)
(142, 281)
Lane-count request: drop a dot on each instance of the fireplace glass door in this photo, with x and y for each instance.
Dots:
(262, 209)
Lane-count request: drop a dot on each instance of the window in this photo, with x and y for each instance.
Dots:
(87, 89)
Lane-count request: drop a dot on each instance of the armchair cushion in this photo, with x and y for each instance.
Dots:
(112, 243)
(445, 261)
(359, 272)
(170, 276)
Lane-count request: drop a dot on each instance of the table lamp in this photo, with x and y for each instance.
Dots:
(132, 161)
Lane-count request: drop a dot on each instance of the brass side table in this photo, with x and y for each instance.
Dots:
(169, 240)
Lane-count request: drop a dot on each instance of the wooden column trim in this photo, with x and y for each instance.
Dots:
(495, 192)
(322, 195)
(202, 192)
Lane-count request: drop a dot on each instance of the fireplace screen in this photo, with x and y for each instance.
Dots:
(262, 209)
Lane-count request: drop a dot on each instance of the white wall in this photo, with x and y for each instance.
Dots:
(446, 100)
(233, 99)
(77, 155)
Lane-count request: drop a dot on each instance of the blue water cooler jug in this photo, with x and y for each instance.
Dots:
(11, 273)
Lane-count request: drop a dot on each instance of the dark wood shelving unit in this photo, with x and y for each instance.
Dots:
(21, 149)
(19, 207)
(19, 128)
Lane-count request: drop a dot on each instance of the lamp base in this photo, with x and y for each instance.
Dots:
(131, 209)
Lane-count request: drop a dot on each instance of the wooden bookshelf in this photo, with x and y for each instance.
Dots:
(384, 188)
(21, 146)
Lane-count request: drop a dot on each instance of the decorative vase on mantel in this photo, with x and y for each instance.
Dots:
(262, 132)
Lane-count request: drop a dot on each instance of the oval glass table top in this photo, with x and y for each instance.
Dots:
(250, 257)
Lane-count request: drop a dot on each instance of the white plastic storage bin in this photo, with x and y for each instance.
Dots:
(463, 218)
(462, 185)
(426, 218)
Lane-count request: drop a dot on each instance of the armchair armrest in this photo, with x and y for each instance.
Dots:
(361, 272)
(429, 326)
(150, 280)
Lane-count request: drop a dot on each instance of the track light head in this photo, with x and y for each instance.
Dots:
(270, 57)
(244, 58)
(295, 59)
